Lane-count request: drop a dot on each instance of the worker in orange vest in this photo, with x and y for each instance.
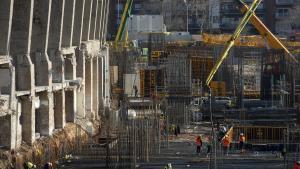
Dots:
(198, 144)
(242, 142)
(226, 144)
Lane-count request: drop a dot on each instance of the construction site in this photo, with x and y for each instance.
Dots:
(149, 84)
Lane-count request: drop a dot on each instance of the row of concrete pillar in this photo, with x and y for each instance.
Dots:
(53, 66)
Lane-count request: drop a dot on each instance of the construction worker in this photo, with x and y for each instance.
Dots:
(242, 140)
(29, 165)
(198, 144)
(226, 144)
(135, 91)
(296, 165)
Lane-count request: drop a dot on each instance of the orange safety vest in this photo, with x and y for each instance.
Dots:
(242, 139)
(226, 142)
(198, 141)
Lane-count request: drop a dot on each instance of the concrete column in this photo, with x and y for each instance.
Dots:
(43, 66)
(70, 99)
(87, 20)
(79, 54)
(95, 81)
(22, 27)
(98, 20)
(106, 78)
(94, 19)
(106, 21)
(78, 22)
(59, 109)
(55, 40)
(102, 21)
(16, 130)
(105, 10)
(88, 88)
(8, 127)
(6, 13)
(80, 59)
(45, 116)
(28, 119)
(101, 83)
(56, 24)
(57, 59)
(68, 23)
(20, 44)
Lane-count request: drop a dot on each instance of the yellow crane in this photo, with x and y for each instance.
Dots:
(229, 44)
(266, 36)
(124, 19)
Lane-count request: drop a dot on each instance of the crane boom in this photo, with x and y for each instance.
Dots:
(125, 15)
(273, 41)
(234, 36)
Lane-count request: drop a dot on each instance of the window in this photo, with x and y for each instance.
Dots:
(282, 12)
(137, 7)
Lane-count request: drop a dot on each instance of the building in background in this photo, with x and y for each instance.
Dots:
(140, 7)
(214, 15)
(211, 16)
(287, 17)
(186, 15)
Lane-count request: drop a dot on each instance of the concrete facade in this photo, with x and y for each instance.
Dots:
(53, 66)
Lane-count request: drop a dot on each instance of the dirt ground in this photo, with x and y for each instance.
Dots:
(45, 149)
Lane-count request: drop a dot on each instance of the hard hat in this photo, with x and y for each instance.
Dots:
(242, 134)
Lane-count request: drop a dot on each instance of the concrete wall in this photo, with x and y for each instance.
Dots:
(51, 61)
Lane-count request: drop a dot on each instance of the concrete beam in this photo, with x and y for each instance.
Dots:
(87, 20)
(94, 19)
(68, 23)
(78, 22)
(6, 13)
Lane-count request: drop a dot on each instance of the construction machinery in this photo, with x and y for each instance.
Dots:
(124, 19)
(234, 36)
(266, 34)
